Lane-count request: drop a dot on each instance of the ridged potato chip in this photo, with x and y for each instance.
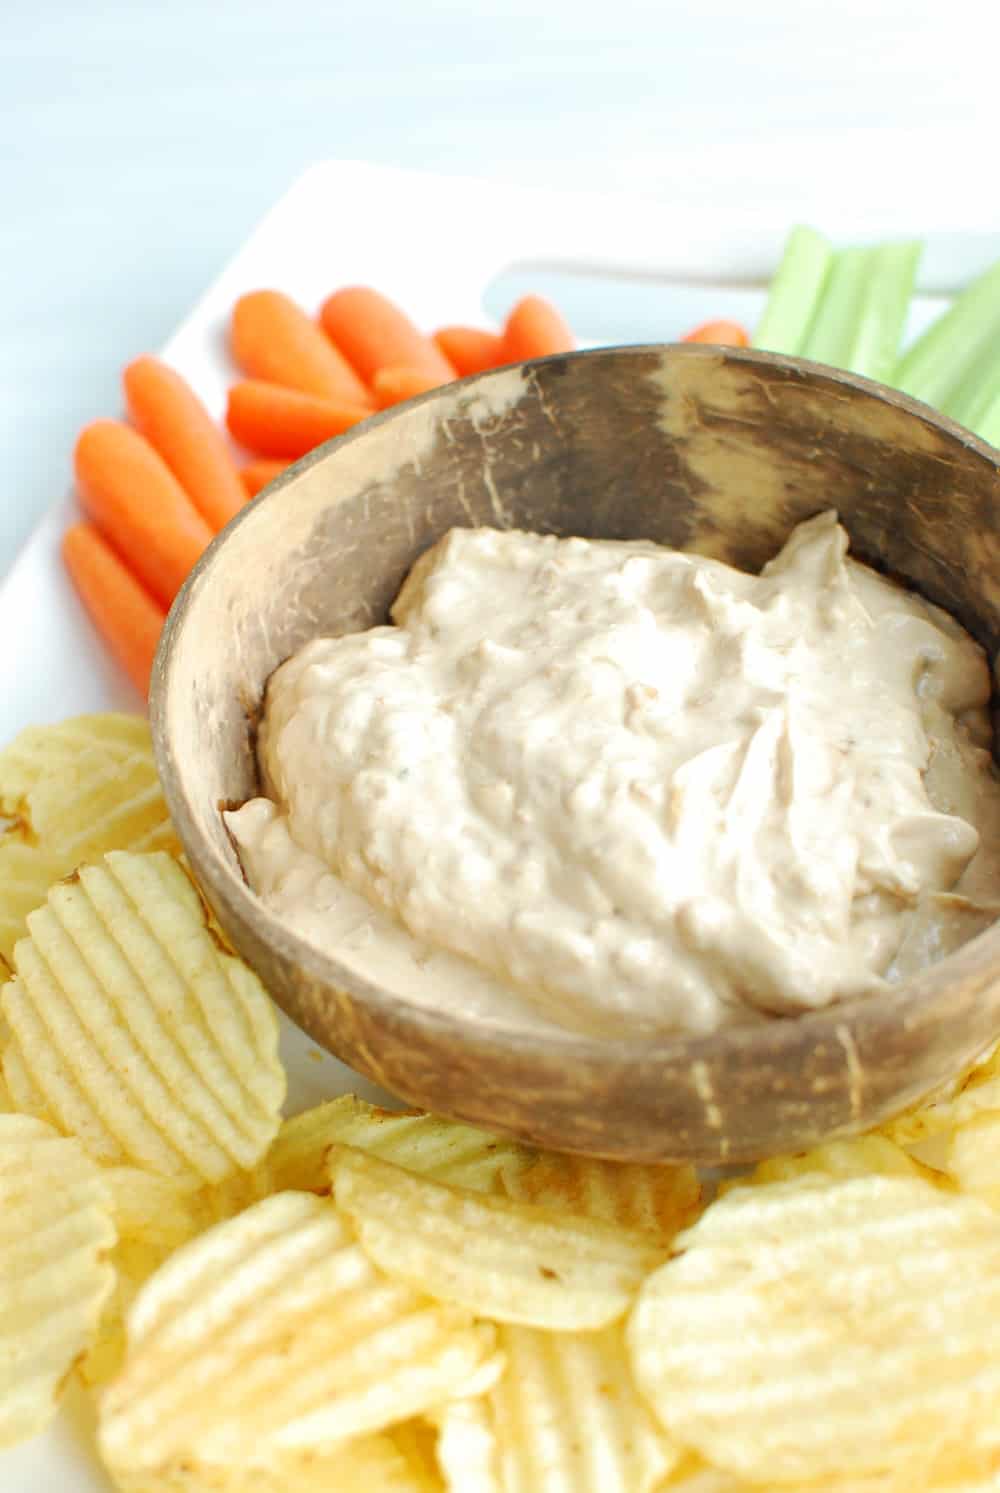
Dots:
(564, 1417)
(153, 1216)
(692, 1475)
(40, 752)
(863, 1156)
(273, 1334)
(973, 1158)
(975, 1092)
(512, 1262)
(826, 1329)
(467, 1446)
(56, 1232)
(75, 791)
(973, 1475)
(435, 1147)
(132, 1030)
(655, 1200)
(416, 1439)
(370, 1464)
(27, 872)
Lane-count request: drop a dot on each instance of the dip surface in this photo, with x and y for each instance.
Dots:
(613, 786)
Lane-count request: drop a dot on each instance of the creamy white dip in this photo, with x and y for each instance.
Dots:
(614, 786)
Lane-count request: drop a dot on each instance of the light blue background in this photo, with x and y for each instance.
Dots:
(142, 141)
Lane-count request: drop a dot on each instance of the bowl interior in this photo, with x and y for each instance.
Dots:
(721, 452)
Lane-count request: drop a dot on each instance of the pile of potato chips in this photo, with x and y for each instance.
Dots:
(356, 1300)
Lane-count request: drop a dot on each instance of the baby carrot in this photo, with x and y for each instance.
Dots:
(277, 422)
(174, 420)
(721, 333)
(393, 385)
(372, 333)
(534, 329)
(136, 501)
(470, 349)
(126, 616)
(273, 339)
(256, 475)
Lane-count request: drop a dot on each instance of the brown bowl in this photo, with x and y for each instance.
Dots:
(716, 451)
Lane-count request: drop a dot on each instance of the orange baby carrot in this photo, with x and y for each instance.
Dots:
(534, 329)
(136, 501)
(174, 420)
(278, 422)
(393, 385)
(721, 333)
(124, 613)
(273, 339)
(256, 475)
(470, 349)
(372, 333)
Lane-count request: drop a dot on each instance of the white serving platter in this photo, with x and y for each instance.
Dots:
(625, 269)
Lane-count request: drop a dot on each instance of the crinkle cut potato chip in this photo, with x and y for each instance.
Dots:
(973, 1158)
(512, 1262)
(56, 1232)
(977, 1474)
(442, 1149)
(41, 752)
(153, 1216)
(273, 1335)
(74, 792)
(655, 1200)
(861, 1156)
(565, 1415)
(27, 872)
(826, 1329)
(369, 1464)
(976, 1091)
(130, 1028)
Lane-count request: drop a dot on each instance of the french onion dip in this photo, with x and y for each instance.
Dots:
(611, 786)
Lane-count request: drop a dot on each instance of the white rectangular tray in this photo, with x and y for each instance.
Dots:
(435, 244)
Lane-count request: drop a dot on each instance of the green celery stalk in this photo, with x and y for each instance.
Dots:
(975, 402)
(859, 319)
(794, 292)
(943, 359)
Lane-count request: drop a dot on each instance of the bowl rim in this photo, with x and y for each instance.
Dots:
(906, 1003)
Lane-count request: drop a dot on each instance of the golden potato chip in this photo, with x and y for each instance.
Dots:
(27, 872)
(55, 1234)
(972, 1093)
(369, 1464)
(417, 1440)
(95, 790)
(862, 1156)
(467, 1445)
(973, 1157)
(693, 1475)
(151, 1209)
(656, 1200)
(512, 1262)
(565, 1415)
(435, 1147)
(826, 1328)
(40, 752)
(274, 1334)
(132, 1030)
(976, 1474)
(153, 1216)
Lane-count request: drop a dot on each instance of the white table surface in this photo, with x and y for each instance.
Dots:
(141, 140)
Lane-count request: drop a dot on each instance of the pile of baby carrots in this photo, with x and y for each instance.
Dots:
(155, 490)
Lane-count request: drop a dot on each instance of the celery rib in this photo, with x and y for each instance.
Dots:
(941, 363)
(860, 316)
(796, 288)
